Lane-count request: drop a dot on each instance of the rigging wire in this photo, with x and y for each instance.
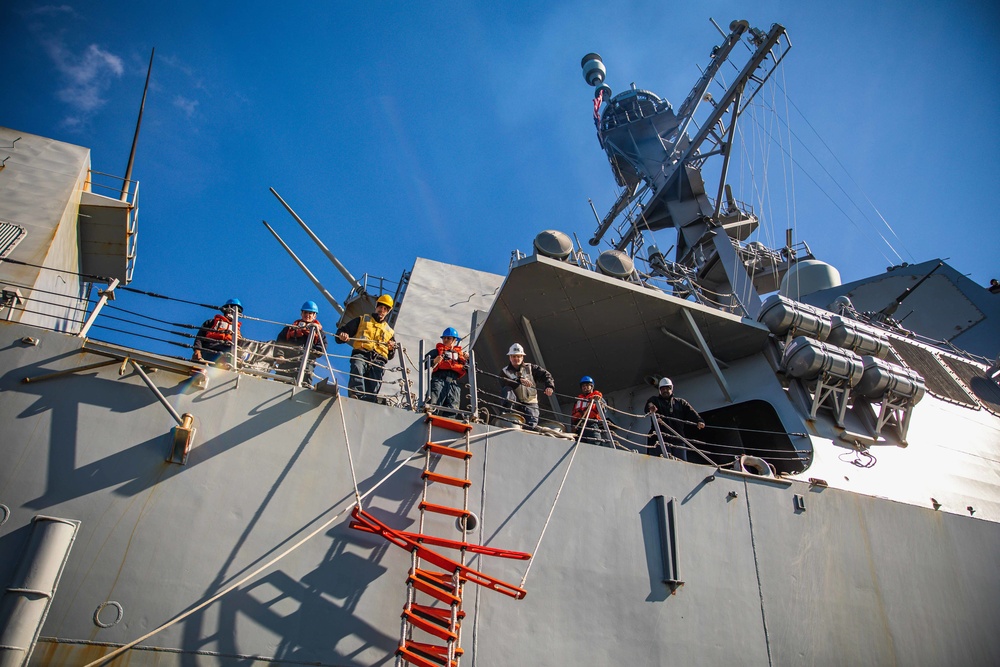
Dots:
(10, 283)
(790, 178)
(168, 298)
(837, 205)
(63, 306)
(845, 193)
(760, 189)
(150, 326)
(132, 333)
(49, 268)
(149, 317)
(848, 174)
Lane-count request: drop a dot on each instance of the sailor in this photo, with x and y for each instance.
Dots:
(447, 362)
(588, 397)
(374, 345)
(293, 338)
(520, 383)
(673, 412)
(215, 338)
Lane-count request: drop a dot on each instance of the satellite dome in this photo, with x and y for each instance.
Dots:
(808, 276)
(615, 263)
(552, 243)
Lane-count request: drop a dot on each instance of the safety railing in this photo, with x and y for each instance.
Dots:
(169, 326)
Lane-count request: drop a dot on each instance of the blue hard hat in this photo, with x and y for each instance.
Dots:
(310, 307)
(233, 302)
(450, 331)
(586, 379)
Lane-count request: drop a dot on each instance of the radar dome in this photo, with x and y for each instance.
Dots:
(552, 243)
(615, 263)
(808, 276)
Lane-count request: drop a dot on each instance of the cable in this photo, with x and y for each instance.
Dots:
(131, 333)
(150, 317)
(48, 268)
(168, 298)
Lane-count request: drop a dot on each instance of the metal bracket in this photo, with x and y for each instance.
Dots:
(69, 371)
(800, 502)
(536, 353)
(666, 514)
(182, 435)
(106, 295)
(707, 354)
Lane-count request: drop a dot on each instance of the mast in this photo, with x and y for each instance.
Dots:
(659, 165)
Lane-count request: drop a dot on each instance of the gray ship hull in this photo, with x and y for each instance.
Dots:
(774, 571)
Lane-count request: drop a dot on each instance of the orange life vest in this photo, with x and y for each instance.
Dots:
(221, 329)
(451, 359)
(580, 407)
(300, 328)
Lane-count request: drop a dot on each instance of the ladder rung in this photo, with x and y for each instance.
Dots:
(415, 654)
(443, 509)
(444, 450)
(432, 649)
(443, 613)
(434, 590)
(417, 659)
(434, 615)
(445, 580)
(450, 424)
(430, 627)
(437, 477)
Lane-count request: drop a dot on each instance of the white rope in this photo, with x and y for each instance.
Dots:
(350, 457)
(234, 586)
(476, 436)
(576, 447)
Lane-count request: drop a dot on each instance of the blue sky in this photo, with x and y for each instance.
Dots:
(457, 131)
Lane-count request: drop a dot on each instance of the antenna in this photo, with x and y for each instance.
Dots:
(329, 255)
(138, 124)
(309, 274)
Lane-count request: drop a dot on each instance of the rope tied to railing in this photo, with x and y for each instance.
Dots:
(576, 447)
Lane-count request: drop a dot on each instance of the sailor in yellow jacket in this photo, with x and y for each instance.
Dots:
(374, 345)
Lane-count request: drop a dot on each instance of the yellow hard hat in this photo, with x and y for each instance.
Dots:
(385, 300)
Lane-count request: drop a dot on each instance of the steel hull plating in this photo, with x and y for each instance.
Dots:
(775, 572)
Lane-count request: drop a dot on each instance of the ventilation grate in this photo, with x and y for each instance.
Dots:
(937, 379)
(975, 378)
(10, 236)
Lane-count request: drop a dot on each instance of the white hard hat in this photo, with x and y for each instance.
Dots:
(515, 349)
(665, 382)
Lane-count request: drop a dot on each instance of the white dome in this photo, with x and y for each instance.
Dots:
(808, 276)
